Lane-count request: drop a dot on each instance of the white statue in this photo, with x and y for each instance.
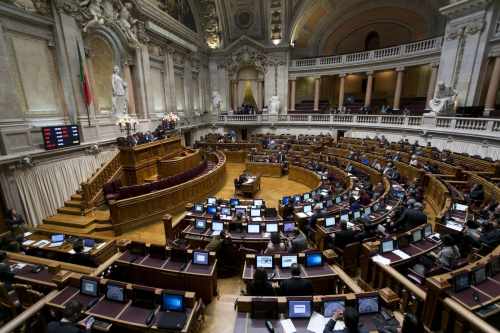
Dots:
(274, 105)
(127, 22)
(95, 10)
(443, 101)
(216, 102)
(120, 94)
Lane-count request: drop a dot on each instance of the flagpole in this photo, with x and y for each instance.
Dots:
(82, 79)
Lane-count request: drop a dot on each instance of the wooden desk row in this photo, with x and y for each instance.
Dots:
(264, 169)
(183, 161)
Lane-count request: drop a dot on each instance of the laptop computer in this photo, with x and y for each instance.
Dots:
(173, 315)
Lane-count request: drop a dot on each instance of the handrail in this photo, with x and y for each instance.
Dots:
(404, 281)
(473, 320)
(25, 315)
(349, 282)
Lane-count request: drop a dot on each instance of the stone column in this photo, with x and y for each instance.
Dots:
(170, 80)
(317, 83)
(130, 89)
(432, 85)
(369, 88)
(341, 90)
(293, 86)
(491, 96)
(399, 88)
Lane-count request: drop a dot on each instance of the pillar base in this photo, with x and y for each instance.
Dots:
(487, 111)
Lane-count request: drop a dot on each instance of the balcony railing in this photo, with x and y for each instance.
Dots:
(452, 124)
(423, 47)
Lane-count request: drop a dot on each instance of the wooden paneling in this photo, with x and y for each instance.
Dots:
(184, 161)
(264, 169)
(304, 176)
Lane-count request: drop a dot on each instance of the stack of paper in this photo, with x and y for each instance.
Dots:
(27, 234)
(401, 254)
(288, 326)
(317, 323)
(28, 242)
(381, 260)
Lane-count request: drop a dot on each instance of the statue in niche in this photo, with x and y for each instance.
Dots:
(120, 94)
(109, 10)
(216, 102)
(274, 105)
(444, 100)
(127, 22)
(95, 10)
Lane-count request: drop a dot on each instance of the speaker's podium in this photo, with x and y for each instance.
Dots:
(247, 185)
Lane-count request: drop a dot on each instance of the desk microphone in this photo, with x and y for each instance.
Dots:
(150, 318)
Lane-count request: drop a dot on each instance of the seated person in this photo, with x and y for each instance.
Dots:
(490, 236)
(260, 286)
(298, 243)
(449, 252)
(350, 317)
(345, 236)
(15, 222)
(216, 242)
(296, 286)
(476, 193)
(288, 210)
(410, 218)
(275, 244)
(69, 321)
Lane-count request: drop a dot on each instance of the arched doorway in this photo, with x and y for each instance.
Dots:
(250, 87)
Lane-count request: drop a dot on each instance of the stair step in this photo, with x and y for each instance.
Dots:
(73, 203)
(70, 210)
(76, 197)
(70, 220)
(95, 229)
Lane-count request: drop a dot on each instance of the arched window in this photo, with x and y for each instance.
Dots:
(372, 41)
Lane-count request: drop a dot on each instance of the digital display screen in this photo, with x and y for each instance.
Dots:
(200, 224)
(253, 228)
(314, 259)
(212, 210)
(329, 222)
(416, 236)
(297, 198)
(306, 196)
(89, 287)
(255, 212)
(368, 305)
(368, 210)
(87, 242)
(59, 238)
(299, 309)
(217, 226)
(56, 137)
(356, 214)
(115, 293)
(288, 261)
(307, 209)
(241, 211)
(264, 261)
(225, 211)
(200, 258)
(172, 302)
(198, 208)
(479, 275)
(288, 227)
(285, 200)
(234, 202)
(329, 203)
(387, 246)
(460, 207)
(344, 217)
(331, 307)
(258, 202)
(461, 282)
(272, 227)
(212, 201)
(428, 230)
(338, 200)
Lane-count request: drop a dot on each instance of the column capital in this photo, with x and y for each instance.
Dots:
(317, 77)
(342, 75)
(370, 73)
(434, 64)
(292, 79)
(400, 69)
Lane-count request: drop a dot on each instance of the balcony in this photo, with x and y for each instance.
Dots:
(487, 128)
(406, 53)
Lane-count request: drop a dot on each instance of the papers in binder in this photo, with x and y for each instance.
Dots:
(381, 260)
(401, 254)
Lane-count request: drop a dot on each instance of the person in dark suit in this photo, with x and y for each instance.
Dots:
(344, 236)
(296, 286)
(350, 317)
(68, 323)
(410, 218)
(288, 210)
(260, 286)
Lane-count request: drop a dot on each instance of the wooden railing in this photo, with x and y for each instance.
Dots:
(92, 193)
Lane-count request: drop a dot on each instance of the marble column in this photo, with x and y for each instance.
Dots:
(399, 88)
(432, 85)
(170, 80)
(369, 88)
(293, 87)
(341, 90)
(130, 89)
(491, 96)
(317, 83)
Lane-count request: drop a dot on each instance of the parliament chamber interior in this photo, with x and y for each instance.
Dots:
(250, 166)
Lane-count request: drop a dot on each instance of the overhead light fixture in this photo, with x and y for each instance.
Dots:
(276, 41)
(276, 35)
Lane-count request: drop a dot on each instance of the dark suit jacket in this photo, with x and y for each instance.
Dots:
(410, 218)
(60, 327)
(296, 287)
(344, 237)
(260, 290)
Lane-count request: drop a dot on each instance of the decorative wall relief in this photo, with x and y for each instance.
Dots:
(210, 23)
(180, 10)
(41, 7)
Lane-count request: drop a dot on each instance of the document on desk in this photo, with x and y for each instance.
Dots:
(301, 215)
(28, 242)
(288, 326)
(100, 245)
(27, 234)
(41, 243)
(317, 323)
(381, 260)
(401, 254)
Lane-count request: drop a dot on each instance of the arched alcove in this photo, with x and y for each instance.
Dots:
(372, 41)
(250, 90)
(101, 67)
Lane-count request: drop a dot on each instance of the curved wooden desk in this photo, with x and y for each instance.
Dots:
(264, 169)
(304, 176)
(183, 161)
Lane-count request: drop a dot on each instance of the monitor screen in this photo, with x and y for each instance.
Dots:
(479, 275)
(240, 211)
(172, 302)
(285, 200)
(253, 228)
(329, 222)
(314, 259)
(307, 196)
(368, 210)
(115, 292)
(338, 200)
(416, 236)
(329, 203)
(272, 227)
(331, 307)
(87, 242)
(217, 226)
(460, 207)
(403, 241)
(198, 208)
(297, 198)
(144, 297)
(59, 238)
(344, 217)
(200, 257)
(319, 205)
(258, 202)
(387, 246)
(299, 309)
(264, 261)
(200, 224)
(368, 305)
(225, 211)
(234, 202)
(461, 282)
(89, 287)
(307, 209)
(356, 214)
(427, 230)
(212, 201)
(55, 137)
(288, 226)
(288, 260)
(255, 212)
(212, 210)
(495, 265)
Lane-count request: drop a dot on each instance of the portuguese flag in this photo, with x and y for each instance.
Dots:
(84, 80)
